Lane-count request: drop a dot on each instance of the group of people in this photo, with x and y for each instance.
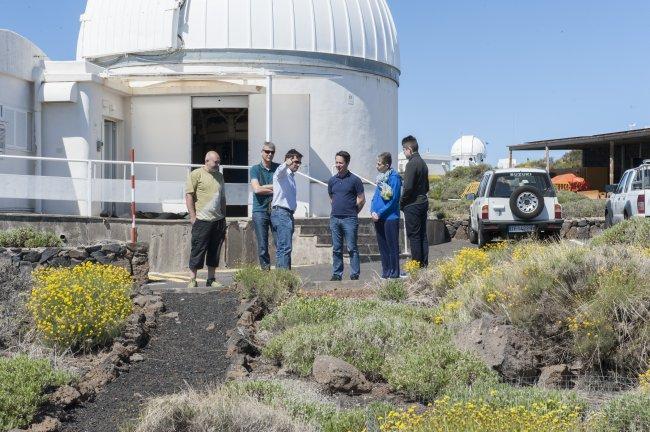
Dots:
(275, 201)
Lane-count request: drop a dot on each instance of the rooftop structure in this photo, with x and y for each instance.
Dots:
(172, 79)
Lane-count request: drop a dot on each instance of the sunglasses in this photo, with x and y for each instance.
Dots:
(270, 152)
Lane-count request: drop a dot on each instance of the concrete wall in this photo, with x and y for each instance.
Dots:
(169, 241)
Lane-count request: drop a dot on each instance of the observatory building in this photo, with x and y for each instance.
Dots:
(468, 150)
(172, 79)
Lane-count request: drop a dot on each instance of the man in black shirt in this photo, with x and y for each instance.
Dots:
(415, 202)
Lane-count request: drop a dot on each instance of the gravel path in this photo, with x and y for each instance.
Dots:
(182, 353)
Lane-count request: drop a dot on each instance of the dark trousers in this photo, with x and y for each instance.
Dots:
(388, 241)
(262, 224)
(207, 238)
(415, 216)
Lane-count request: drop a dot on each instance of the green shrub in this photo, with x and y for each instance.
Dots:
(586, 208)
(308, 407)
(564, 197)
(630, 232)
(29, 238)
(22, 384)
(628, 413)
(271, 287)
(433, 368)
(362, 333)
(452, 184)
(587, 303)
(450, 210)
(393, 290)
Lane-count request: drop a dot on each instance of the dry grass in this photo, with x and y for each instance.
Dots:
(194, 411)
(14, 317)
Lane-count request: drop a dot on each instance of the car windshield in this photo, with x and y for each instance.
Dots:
(504, 184)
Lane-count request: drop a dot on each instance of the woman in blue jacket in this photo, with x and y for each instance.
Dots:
(385, 212)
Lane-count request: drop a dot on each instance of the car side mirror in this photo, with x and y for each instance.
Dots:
(611, 188)
(470, 197)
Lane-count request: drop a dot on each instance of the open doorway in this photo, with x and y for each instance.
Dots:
(224, 130)
(109, 171)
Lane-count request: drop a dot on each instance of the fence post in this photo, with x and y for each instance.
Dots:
(89, 188)
(134, 230)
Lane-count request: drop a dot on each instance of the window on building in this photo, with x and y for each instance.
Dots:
(18, 129)
(3, 135)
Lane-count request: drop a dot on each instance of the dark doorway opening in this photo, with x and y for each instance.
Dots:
(224, 130)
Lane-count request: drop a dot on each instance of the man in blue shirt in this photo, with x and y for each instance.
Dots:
(284, 206)
(262, 184)
(348, 198)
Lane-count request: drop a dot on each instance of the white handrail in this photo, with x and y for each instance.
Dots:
(312, 179)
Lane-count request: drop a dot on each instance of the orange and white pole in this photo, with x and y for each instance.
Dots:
(134, 230)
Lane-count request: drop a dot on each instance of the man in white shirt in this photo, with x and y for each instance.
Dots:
(284, 206)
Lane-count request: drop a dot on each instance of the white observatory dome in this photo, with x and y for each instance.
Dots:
(468, 146)
(362, 29)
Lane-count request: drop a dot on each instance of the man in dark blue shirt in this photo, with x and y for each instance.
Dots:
(348, 198)
(262, 183)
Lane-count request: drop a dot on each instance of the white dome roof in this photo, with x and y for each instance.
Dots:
(468, 146)
(355, 28)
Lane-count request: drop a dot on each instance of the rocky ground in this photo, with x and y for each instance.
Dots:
(187, 349)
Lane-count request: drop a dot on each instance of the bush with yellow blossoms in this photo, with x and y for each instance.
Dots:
(474, 416)
(465, 264)
(80, 307)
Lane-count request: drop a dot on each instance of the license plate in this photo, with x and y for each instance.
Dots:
(521, 229)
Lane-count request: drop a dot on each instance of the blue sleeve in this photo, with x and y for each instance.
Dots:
(392, 205)
(359, 187)
(329, 187)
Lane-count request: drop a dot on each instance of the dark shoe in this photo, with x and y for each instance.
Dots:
(354, 277)
(336, 278)
(212, 283)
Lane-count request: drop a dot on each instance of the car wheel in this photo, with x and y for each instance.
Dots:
(473, 236)
(526, 202)
(609, 222)
(482, 237)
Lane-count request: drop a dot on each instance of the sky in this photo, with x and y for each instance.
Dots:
(507, 71)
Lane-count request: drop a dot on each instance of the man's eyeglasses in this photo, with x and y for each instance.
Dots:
(269, 152)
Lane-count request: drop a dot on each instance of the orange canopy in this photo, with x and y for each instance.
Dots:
(576, 183)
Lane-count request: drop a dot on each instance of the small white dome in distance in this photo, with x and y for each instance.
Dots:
(468, 146)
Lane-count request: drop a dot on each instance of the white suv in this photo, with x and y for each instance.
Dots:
(512, 203)
(631, 197)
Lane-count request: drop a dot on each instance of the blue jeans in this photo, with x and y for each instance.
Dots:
(345, 228)
(282, 227)
(388, 241)
(262, 224)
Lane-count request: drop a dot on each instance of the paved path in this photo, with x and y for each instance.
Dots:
(162, 282)
(183, 352)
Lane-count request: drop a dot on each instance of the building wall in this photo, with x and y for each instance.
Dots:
(17, 95)
(160, 130)
(353, 112)
(20, 61)
(71, 130)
